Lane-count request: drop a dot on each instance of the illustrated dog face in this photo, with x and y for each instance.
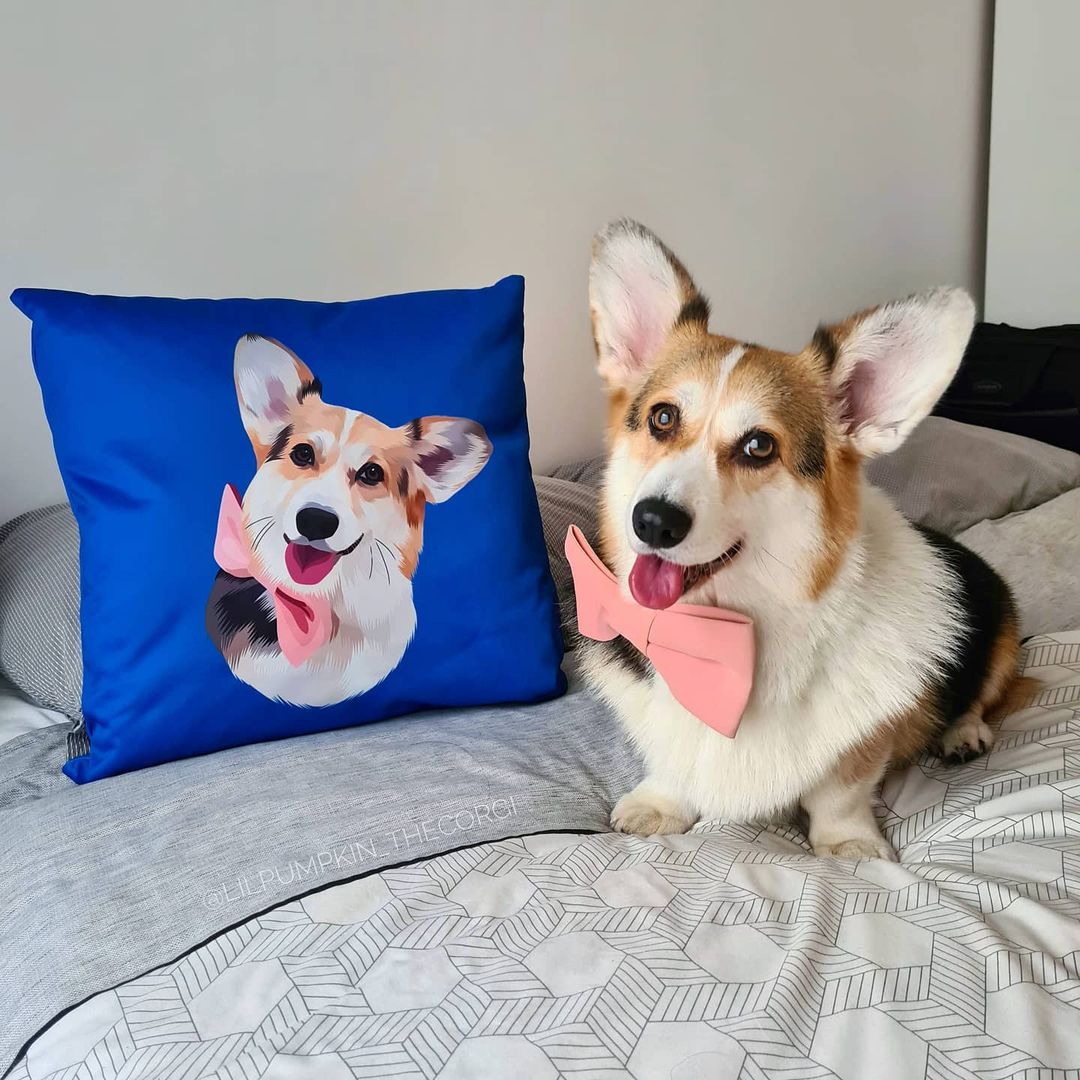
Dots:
(339, 496)
(734, 470)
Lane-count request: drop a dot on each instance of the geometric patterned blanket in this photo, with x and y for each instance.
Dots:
(730, 952)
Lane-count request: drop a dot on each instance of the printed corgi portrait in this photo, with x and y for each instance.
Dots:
(313, 602)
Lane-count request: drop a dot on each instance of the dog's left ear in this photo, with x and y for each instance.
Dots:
(271, 381)
(888, 366)
(447, 453)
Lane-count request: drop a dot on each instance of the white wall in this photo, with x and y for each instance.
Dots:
(1033, 233)
(805, 159)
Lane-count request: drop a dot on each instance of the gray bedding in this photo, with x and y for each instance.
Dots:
(727, 953)
(104, 882)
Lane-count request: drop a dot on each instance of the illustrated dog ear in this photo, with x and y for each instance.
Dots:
(638, 291)
(889, 365)
(447, 453)
(270, 382)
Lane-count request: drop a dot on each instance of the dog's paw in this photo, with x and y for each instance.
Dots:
(865, 848)
(966, 740)
(647, 815)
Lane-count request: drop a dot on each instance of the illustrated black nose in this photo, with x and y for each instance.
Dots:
(659, 523)
(315, 524)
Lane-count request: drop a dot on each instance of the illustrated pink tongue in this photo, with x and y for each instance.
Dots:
(302, 614)
(308, 565)
(654, 582)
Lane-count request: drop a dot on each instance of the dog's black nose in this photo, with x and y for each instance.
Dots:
(659, 523)
(313, 523)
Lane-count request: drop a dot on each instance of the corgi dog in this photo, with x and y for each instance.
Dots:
(314, 603)
(734, 479)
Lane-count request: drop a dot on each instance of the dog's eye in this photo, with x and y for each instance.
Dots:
(370, 474)
(663, 420)
(758, 448)
(302, 455)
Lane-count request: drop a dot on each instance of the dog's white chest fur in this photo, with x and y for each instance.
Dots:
(828, 675)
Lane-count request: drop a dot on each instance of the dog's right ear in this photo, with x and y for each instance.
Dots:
(638, 292)
(270, 382)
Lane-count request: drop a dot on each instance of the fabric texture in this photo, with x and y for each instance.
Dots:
(1038, 553)
(728, 952)
(948, 475)
(395, 517)
(19, 715)
(589, 472)
(40, 643)
(165, 857)
(564, 503)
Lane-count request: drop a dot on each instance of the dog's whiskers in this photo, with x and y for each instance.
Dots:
(383, 557)
(789, 569)
(262, 533)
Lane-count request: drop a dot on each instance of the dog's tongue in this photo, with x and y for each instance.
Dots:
(308, 565)
(654, 582)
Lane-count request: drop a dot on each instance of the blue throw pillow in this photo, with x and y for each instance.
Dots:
(294, 516)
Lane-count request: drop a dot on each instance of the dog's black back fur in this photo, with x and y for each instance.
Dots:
(985, 605)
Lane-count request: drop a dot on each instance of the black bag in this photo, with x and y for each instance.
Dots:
(1024, 381)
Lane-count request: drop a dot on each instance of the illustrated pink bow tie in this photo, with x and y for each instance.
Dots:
(303, 622)
(704, 654)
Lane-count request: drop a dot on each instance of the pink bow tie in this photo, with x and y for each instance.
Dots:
(704, 654)
(303, 621)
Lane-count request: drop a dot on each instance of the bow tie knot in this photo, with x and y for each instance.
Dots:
(704, 654)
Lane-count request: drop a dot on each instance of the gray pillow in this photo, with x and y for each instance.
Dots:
(40, 643)
(948, 476)
(1038, 553)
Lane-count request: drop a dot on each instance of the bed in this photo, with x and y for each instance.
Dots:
(439, 895)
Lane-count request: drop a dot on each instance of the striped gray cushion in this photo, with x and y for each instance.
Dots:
(589, 472)
(40, 644)
(564, 503)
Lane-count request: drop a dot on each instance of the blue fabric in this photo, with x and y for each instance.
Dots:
(140, 396)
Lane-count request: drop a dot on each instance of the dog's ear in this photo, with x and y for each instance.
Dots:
(888, 366)
(270, 382)
(638, 292)
(447, 453)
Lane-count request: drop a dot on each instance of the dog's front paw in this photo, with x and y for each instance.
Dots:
(647, 814)
(865, 848)
(969, 738)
